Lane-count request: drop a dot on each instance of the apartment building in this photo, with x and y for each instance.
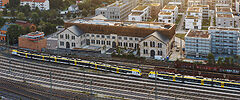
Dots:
(152, 39)
(165, 17)
(237, 5)
(154, 9)
(224, 17)
(173, 9)
(197, 43)
(139, 13)
(224, 40)
(205, 10)
(193, 18)
(118, 10)
(40, 4)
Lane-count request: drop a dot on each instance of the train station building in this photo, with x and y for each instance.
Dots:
(150, 39)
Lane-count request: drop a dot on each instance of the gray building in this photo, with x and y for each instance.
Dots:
(224, 40)
(197, 43)
(118, 10)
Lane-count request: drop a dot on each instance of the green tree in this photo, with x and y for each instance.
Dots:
(227, 61)
(211, 58)
(4, 12)
(14, 31)
(2, 21)
(35, 18)
(13, 13)
(13, 4)
(21, 16)
(220, 61)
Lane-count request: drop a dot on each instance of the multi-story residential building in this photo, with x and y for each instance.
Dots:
(40, 4)
(237, 6)
(118, 10)
(154, 9)
(193, 19)
(224, 20)
(236, 21)
(205, 10)
(165, 17)
(173, 9)
(224, 40)
(140, 13)
(194, 2)
(223, 10)
(197, 43)
(152, 39)
(178, 4)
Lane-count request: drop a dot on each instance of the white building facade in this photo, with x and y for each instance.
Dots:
(165, 17)
(139, 13)
(193, 18)
(173, 9)
(197, 43)
(40, 4)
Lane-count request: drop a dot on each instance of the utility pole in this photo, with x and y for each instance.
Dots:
(51, 84)
(155, 85)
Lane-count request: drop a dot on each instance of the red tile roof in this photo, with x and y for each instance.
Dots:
(33, 0)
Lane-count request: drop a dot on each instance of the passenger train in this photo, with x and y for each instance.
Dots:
(79, 62)
(129, 71)
(194, 80)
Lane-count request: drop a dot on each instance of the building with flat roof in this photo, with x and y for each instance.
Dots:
(224, 40)
(151, 38)
(193, 18)
(224, 20)
(118, 10)
(165, 17)
(173, 9)
(139, 13)
(197, 43)
(33, 40)
(205, 10)
(40, 4)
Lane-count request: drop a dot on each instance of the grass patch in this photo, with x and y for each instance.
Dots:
(181, 36)
(178, 19)
(204, 28)
(206, 22)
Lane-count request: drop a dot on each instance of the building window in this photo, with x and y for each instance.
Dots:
(145, 44)
(160, 53)
(159, 45)
(92, 35)
(119, 43)
(97, 36)
(108, 37)
(136, 39)
(103, 36)
(113, 37)
(120, 38)
(61, 36)
(61, 43)
(130, 39)
(73, 44)
(87, 35)
(125, 38)
(98, 41)
(125, 44)
(73, 37)
(108, 43)
(92, 41)
(103, 42)
(130, 44)
(145, 51)
(152, 44)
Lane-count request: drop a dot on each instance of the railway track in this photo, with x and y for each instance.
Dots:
(123, 83)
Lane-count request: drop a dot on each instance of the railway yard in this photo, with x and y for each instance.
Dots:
(40, 77)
